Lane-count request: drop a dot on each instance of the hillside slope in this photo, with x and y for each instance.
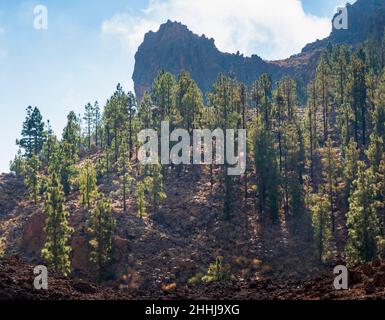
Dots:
(174, 243)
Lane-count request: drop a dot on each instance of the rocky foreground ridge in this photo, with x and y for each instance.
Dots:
(366, 282)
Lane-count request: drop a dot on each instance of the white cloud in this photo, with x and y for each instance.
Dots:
(273, 29)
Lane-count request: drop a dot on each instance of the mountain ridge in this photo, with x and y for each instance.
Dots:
(175, 48)
(186, 50)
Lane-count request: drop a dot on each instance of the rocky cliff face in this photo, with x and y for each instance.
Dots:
(365, 18)
(174, 48)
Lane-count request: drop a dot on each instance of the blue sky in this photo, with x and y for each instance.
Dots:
(89, 47)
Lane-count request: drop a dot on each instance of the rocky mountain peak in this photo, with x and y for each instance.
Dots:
(175, 48)
(365, 18)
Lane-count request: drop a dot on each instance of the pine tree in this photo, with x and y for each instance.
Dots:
(71, 135)
(330, 175)
(33, 178)
(256, 96)
(291, 147)
(124, 180)
(116, 119)
(49, 142)
(321, 208)
(371, 83)
(164, 98)
(372, 54)
(209, 121)
(293, 169)
(341, 68)
(155, 185)
(51, 155)
(350, 165)
(359, 95)
(97, 123)
(131, 109)
(141, 199)
(379, 109)
(380, 188)
(189, 102)
(87, 183)
(280, 118)
(312, 129)
(362, 221)
(266, 171)
(345, 119)
(289, 91)
(323, 86)
(89, 118)
(56, 251)
(145, 112)
(68, 169)
(244, 111)
(100, 227)
(226, 99)
(375, 152)
(33, 133)
(266, 106)
(18, 164)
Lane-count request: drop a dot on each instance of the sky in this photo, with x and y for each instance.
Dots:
(89, 47)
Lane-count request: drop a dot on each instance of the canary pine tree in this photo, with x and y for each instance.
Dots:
(33, 178)
(164, 97)
(131, 110)
(311, 125)
(225, 99)
(97, 123)
(155, 185)
(267, 173)
(322, 226)
(330, 162)
(323, 78)
(71, 135)
(68, 169)
(145, 112)
(87, 183)
(115, 118)
(33, 133)
(56, 251)
(124, 180)
(350, 168)
(141, 202)
(362, 220)
(100, 227)
(89, 121)
(17, 165)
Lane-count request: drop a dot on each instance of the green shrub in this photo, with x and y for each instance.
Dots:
(2, 247)
(217, 271)
(195, 279)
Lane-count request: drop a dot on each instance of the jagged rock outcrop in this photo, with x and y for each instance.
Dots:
(365, 18)
(174, 48)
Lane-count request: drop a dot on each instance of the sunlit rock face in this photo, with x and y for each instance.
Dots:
(175, 48)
